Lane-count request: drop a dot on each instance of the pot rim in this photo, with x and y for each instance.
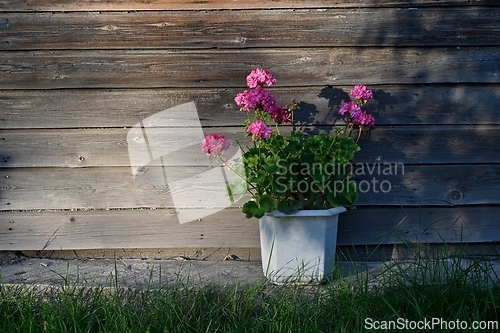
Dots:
(310, 212)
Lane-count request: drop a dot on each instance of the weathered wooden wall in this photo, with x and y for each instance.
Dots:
(77, 75)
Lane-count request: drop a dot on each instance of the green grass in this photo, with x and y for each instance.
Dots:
(451, 290)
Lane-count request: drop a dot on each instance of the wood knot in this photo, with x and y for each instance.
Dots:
(4, 23)
(455, 195)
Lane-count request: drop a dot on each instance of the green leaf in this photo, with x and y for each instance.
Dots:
(347, 198)
(334, 200)
(351, 195)
(265, 204)
(289, 208)
(249, 209)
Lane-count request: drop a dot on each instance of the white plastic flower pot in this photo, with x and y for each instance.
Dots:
(299, 248)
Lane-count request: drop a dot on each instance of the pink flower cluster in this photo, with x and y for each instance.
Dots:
(255, 98)
(352, 112)
(260, 77)
(260, 99)
(259, 129)
(215, 144)
(361, 92)
(350, 109)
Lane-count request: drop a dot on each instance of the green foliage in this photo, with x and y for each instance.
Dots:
(300, 172)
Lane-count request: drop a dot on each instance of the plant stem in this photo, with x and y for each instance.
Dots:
(359, 133)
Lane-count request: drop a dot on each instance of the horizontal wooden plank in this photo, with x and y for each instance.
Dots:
(360, 253)
(430, 145)
(382, 184)
(210, 254)
(440, 185)
(125, 229)
(368, 225)
(225, 68)
(401, 105)
(119, 5)
(56, 230)
(113, 147)
(276, 28)
(84, 189)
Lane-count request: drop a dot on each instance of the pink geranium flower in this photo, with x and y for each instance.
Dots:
(259, 130)
(258, 98)
(215, 144)
(245, 100)
(259, 77)
(279, 114)
(364, 119)
(361, 93)
(350, 110)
